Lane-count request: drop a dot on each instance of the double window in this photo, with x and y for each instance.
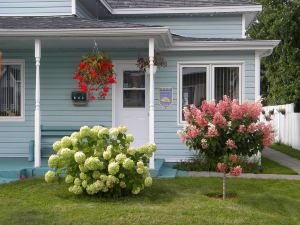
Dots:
(198, 82)
(12, 90)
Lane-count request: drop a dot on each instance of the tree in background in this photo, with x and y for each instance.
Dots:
(280, 20)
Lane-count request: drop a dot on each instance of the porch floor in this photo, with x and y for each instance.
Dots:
(12, 169)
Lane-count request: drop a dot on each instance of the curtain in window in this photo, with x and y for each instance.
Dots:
(10, 91)
(226, 82)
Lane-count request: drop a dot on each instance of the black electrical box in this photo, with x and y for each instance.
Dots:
(79, 98)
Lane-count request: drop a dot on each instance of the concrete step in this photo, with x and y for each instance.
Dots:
(158, 165)
(39, 172)
(167, 172)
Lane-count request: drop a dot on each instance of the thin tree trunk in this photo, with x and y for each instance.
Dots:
(224, 185)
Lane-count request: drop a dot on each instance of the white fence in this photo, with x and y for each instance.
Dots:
(287, 126)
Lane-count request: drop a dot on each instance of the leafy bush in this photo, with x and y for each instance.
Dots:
(101, 161)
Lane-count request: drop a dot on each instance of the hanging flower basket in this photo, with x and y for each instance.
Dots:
(94, 75)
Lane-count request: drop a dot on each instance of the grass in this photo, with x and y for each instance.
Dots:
(272, 167)
(268, 167)
(181, 201)
(286, 150)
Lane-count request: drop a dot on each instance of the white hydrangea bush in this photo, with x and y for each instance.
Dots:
(101, 161)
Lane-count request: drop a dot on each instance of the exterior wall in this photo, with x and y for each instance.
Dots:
(226, 26)
(57, 68)
(35, 7)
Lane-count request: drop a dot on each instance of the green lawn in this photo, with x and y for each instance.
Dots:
(286, 150)
(171, 201)
(272, 167)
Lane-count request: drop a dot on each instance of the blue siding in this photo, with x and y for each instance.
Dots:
(225, 26)
(35, 7)
(57, 69)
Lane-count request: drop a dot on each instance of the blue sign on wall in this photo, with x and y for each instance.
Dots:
(165, 96)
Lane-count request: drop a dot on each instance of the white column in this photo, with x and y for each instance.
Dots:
(37, 115)
(151, 97)
(257, 76)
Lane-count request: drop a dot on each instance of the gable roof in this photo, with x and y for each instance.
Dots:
(118, 4)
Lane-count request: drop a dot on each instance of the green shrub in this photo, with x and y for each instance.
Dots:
(101, 161)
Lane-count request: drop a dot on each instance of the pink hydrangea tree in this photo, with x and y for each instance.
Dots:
(225, 131)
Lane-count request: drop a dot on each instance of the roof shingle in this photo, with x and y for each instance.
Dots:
(118, 4)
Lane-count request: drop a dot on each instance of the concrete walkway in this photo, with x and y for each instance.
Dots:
(283, 159)
(246, 175)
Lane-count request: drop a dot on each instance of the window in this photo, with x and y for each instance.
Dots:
(134, 89)
(206, 82)
(12, 91)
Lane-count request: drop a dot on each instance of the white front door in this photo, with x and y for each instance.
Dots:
(132, 104)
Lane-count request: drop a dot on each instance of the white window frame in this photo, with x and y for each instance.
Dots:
(210, 87)
(20, 62)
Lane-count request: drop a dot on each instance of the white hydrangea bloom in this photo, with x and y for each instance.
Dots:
(79, 157)
(107, 154)
(131, 151)
(102, 132)
(140, 170)
(66, 153)
(136, 191)
(66, 142)
(93, 163)
(53, 161)
(84, 131)
(113, 168)
(140, 164)
(148, 181)
(82, 168)
(128, 164)
(69, 179)
(77, 181)
(50, 176)
(56, 146)
(120, 158)
(129, 138)
(122, 129)
(113, 132)
(122, 184)
(83, 176)
(77, 190)
(96, 174)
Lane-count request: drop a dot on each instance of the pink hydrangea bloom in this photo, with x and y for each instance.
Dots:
(221, 167)
(230, 144)
(212, 131)
(181, 135)
(241, 129)
(218, 119)
(233, 158)
(192, 132)
(187, 114)
(236, 171)
(251, 128)
(268, 133)
(224, 105)
(209, 107)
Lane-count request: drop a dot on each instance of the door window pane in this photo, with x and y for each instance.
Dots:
(134, 98)
(134, 89)
(10, 91)
(226, 82)
(134, 79)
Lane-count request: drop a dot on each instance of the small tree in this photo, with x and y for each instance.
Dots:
(224, 132)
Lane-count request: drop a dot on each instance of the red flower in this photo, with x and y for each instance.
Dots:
(82, 66)
(111, 79)
(92, 97)
(105, 89)
(83, 87)
(102, 94)
(233, 158)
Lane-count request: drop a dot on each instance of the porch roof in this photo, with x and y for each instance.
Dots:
(61, 22)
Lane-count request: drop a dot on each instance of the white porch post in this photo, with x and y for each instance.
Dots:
(257, 76)
(37, 115)
(151, 97)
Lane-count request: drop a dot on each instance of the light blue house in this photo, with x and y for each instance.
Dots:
(42, 42)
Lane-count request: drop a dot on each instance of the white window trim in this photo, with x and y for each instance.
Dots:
(209, 80)
(20, 62)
